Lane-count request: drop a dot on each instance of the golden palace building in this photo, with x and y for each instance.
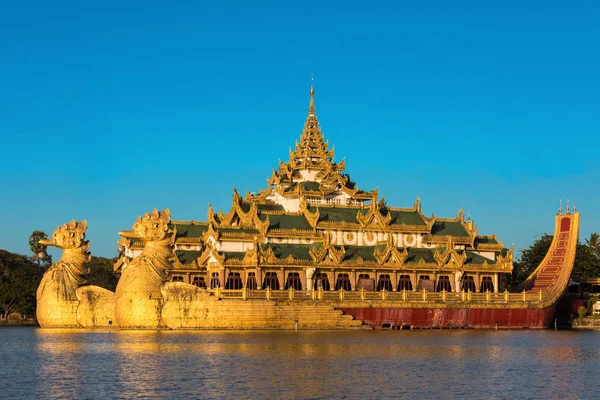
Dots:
(313, 228)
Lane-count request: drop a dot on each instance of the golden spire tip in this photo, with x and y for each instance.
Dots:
(311, 106)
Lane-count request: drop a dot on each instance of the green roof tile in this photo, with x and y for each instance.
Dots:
(474, 258)
(190, 230)
(485, 240)
(448, 228)
(311, 185)
(416, 255)
(270, 207)
(353, 252)
(237, 230)
(407, 218)
(338, 214)
(237, 255)
(287, 222)
(298, 251)
(187, 257)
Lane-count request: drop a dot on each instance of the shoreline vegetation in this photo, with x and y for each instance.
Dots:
(20, 276)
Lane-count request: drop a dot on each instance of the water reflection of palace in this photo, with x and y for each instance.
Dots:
(314, 228)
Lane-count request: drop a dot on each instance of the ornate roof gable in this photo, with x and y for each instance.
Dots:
(390, 253)
(320, 254)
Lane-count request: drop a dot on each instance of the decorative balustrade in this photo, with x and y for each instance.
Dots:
(384, 295)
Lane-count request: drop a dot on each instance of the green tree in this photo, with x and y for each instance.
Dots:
(593, 242)
(38, 249)
(19, 279)
(102, 273)
(586, 264)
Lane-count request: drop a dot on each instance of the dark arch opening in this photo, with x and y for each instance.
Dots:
(322, 281)
(271, 281)
(343, 282)
(215, 282)
(384, 283)
(468, 284)
(293, 281)
(444, 284)
(404, 283)
(199, 282)
(251, 281)
(487, 284)
(234, 281)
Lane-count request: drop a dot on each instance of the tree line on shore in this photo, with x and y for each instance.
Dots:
(20, 275)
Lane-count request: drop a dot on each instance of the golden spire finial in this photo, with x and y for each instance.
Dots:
(560, 209)
(311, 106)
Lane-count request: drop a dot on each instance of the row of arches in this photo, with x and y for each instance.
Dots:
(321, 281)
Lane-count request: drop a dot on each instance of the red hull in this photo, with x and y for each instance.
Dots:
(482, 318)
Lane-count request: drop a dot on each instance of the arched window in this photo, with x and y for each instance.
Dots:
(343, 282)
(199, 281)
(215, 282)
(384, 283)
(444, 284)
(234, 281)
(271, 281)
(404, 283)
(321, 281)
(177, 278)
(468, 283)
(251, 283)
(487, 284)
(293, 281)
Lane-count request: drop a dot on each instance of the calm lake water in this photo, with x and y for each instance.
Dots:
(41, 363)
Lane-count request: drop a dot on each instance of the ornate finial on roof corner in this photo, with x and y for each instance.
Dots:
(560, 208)
(567, 206)
(574, 206)
(468, 214)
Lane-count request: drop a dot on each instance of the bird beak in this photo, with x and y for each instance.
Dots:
(129, 234)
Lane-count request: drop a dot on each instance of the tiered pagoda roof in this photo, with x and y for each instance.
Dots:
(325, 202)
(311, 171)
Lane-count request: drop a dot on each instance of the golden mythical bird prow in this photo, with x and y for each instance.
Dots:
(62, 300)
(139, 299)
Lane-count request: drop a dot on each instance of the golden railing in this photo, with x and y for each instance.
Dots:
(383, 295)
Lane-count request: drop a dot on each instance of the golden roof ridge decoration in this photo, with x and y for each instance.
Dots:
(415, 208)
(178, 265)
(312, 218)
(442, 257)
(327, 249)
(211, 232)
(507, 260)
(260, 196)
(210, 251)
(390, 252)
(190, 222)
(210, 218)
(291, 233)
(262, 226)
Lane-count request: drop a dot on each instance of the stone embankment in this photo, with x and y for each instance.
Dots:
(18, 320)
(590, 322)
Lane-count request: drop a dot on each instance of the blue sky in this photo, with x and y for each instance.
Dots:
(111, 109)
